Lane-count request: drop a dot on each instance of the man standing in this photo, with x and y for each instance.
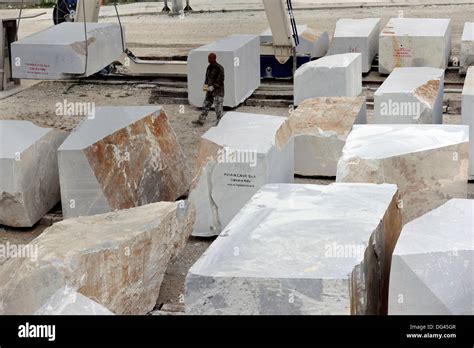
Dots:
(214, 88)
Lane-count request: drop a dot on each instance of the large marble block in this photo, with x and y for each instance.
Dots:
(236, 158)
(60, 52)
(339, 75)
(429, 163)
(410, 95)
(29, 179)
(467, 47)
(301, 249)
(240, 57)
(432, 267)
(415, 42)
(357, 35)
(320, 127)
(468, 115)
(311, 42)
(122, 157)
(116, 259)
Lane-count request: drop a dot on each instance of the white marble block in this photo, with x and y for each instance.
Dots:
(429, 163)
(236, 158)
(415, 42)
(357, 36)
(59, 52)
(120, 158)
(320, 127)
(468, 115)
(240, 57)
(410, 96)
(467, 47)
(432, 267)
(339, 75)
(311, 42)
(301, 249)
(29, 179)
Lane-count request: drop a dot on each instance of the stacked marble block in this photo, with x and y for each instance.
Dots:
(429, 163)
(410, 95)
(311, 43)
(432, 266)
(301, 249)
(60, 51)
(121, 158)
(339, 75)
(29, 179)
(236, 158)
(320, 127)
(467, 48)
(415, 42)
(240, 57)
(468, 115)
(357, 36)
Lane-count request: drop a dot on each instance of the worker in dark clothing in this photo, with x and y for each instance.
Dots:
(214, 88)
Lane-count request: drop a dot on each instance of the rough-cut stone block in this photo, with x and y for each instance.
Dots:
(410, 95)
(429, 163)
(320, 127)
(432, 266)
(66, 301)
(60, 52)
(29, 180)
(301, 249)
(123, 157)
(311, 42)
(116, 259)
(240, 57)
(415, 42)
(357, 35)
(236, 158)
(339, 75)
(467, 47)
(468, 115)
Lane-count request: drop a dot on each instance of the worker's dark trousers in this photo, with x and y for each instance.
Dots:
(207, 105)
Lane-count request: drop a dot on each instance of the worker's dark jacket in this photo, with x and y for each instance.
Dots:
(215, 78)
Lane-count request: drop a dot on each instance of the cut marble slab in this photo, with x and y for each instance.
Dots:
(120, 158)
(60, 52)
(410, 95)
(467, 47)
(311, 42)
(29, 179)
(240, 57)
(66, 301)
(429, 163)
(432, 267)
(338, 75)
(357, 36)
(415, 42)
(468, 115)
(301, 249)
(244, 152)
(117, 259)
(320, 127)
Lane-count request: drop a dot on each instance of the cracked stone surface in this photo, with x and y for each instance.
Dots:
(320, 127)
(410, 95)
(415, 42)
(301, 249)
(468, 115)
(29, 179)
(429, 163)
(116, 259)
(121, 158)
(236, 158)
(432, 266)
(60, 52)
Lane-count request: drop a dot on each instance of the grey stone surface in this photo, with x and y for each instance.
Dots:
(468, 115)
(467, 47)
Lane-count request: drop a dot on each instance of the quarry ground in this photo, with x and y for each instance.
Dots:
(162, 36)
